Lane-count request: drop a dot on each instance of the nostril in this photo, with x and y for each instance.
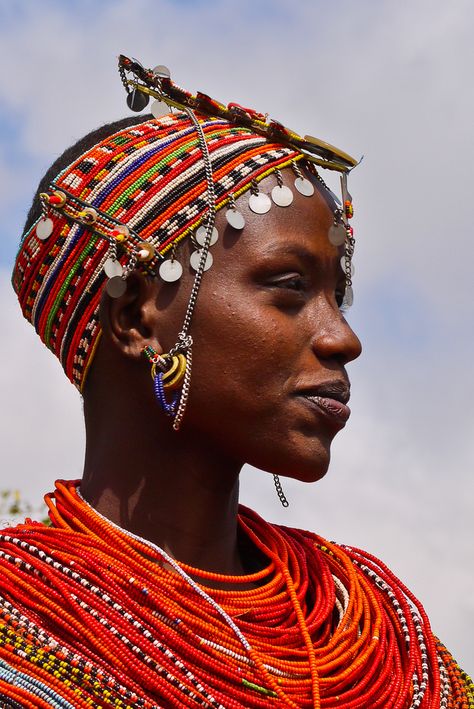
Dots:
(337, 341)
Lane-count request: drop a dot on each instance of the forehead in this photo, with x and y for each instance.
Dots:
(302, 226)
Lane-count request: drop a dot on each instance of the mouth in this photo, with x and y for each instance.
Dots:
(331, 400)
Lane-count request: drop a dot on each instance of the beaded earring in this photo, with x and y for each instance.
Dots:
(170, 373)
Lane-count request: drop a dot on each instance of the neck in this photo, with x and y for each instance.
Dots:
(178, 493)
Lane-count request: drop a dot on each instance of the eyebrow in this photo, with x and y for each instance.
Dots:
(309, 258)
(294, 250)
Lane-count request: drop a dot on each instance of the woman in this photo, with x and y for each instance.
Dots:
(203, 248)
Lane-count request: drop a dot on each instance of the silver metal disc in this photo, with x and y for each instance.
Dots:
(235, 218)
(171, 271)
(44, 228)
(348, 297)
(260, 203)
(196, 259)
(113, 268)
(343, 265)
(337, 234)
(162, 71)
(116, 287)
(201, 234)
(304, 186)
(159, 108)
(282, 195)
(137, 100)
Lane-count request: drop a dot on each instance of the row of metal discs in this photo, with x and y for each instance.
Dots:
(259, 202)
(171, 270)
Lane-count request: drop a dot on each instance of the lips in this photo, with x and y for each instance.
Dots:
(331, 408)
(330, 399)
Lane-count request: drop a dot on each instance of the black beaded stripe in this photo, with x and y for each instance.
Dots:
(80, 308)
(7, 703)
(197, 178)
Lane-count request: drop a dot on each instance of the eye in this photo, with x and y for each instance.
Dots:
(291, 281)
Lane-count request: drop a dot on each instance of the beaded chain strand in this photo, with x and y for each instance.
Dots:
(94, 616)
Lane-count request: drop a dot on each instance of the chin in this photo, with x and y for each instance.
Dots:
(306, 465)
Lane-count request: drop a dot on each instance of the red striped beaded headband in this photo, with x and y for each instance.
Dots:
(131, 198)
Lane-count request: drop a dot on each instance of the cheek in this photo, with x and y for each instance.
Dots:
(238, 361)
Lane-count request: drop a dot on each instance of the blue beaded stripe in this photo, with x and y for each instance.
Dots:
(199, 205)
(169, 409)
(30, 684)
(131, 167)
(51, 278)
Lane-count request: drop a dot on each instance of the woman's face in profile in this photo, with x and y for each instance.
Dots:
(269, 337)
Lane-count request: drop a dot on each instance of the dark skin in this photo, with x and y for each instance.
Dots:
(267, 330)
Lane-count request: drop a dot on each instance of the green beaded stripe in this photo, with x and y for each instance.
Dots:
(158, 166)
(59, 297)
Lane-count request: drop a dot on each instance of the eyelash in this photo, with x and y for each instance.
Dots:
(297, 284)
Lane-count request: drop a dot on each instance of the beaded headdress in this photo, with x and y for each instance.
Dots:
(128, 201)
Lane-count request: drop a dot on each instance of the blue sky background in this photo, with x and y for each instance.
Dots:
(387, 79)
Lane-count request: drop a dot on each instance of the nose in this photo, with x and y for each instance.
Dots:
(333, 337)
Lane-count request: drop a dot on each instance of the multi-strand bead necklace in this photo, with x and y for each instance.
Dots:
(91, 615)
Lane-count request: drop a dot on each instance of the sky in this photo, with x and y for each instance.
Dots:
(389, 80)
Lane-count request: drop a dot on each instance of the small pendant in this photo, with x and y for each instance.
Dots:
(113, 268)
(137, 100)
(337, 234)
(201, 235)
(171, 271)
(195, 260)
(44, 228)
(304, 186)
(260, 203)
(348, 297)
(116, 287)
(235, 218)
(282, 195)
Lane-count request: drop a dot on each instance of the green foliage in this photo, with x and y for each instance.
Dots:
(14, 509)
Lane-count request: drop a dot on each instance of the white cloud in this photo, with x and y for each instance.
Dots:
(388, 79)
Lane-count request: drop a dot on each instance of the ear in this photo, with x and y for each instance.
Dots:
(130, 321)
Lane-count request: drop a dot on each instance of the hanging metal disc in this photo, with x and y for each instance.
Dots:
(235, 218)
(304, 186)
(137, 100)
(113, 267)
(201, 234)
(116, 287)
(260, 203)
(161, 72)
(337, 234)
(44, 228)
(195, 260)
(348, 297)
(171, 271)
(159, 108)
(282, 195)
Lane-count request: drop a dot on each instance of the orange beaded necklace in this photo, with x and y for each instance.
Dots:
(99, 617)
